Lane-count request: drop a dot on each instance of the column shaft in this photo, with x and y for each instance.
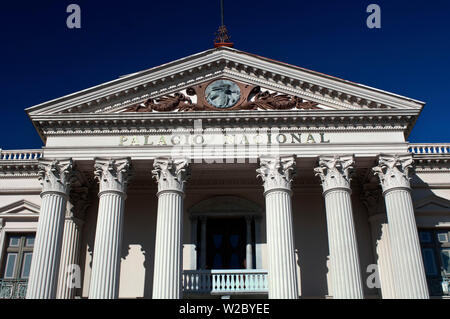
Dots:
(380, 234)
(280, 241)
(410, 280)
(345, 269)
(107, 249)
(168, 254)
(69, 256)
(47, 248)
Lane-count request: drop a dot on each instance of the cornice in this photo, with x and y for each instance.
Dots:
(21, 169)
(144, 123)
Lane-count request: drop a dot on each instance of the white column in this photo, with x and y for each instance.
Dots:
(248, 247)
(55, 177)
(113, 176)
(171, 175)
(203, 242)
(372, 198)
(410, 280)
(277, 174)
(345, 270)
(70, 252)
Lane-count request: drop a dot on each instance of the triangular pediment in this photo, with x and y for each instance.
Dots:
(432, 204)
(286, 84)
(21, 208)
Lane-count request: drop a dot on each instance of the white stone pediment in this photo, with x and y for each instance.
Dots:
(432, 204)
(327, 92)
(21, 208)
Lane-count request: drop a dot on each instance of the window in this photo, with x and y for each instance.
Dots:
(435, 245)
(17, 259)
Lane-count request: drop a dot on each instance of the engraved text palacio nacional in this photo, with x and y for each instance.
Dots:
(226, 174)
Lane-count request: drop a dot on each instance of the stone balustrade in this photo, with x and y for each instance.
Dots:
(246, 281)
(20, 155)
(429, 148)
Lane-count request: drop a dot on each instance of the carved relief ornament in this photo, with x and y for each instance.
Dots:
(55, 176)
(334, 172)
(170, 174)
(251, 98)
(276, 172)
(112, 175)
(394, 171)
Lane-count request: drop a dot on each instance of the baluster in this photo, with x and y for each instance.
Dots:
(250, 282)
(214, 282)
(188, 281)
(239, 282)
(227, 283)
(195, 284)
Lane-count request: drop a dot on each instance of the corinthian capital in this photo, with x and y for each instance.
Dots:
(277, 172)
(334, 171)
(394, 171)
(112, 174)
(55, 176)
(170, 174)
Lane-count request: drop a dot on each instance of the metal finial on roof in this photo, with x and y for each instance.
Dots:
(222, 37)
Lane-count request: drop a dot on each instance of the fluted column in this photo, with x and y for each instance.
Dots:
(55, 177)
(345, 270)
(410, 280)
(277, 174)
(171, 175)
(372, 199)
(70, 252)
(113, 176)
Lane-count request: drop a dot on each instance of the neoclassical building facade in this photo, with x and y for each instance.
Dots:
(226, 174)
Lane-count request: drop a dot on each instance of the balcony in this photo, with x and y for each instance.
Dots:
(225, 282)
(13, 288)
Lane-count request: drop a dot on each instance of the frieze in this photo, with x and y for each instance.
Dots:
(227, 138)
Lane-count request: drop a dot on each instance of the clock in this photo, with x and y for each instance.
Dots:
(223, 94)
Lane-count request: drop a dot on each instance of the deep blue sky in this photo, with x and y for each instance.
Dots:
(41, 59)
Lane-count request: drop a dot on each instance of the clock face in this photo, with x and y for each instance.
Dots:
(222, 94)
